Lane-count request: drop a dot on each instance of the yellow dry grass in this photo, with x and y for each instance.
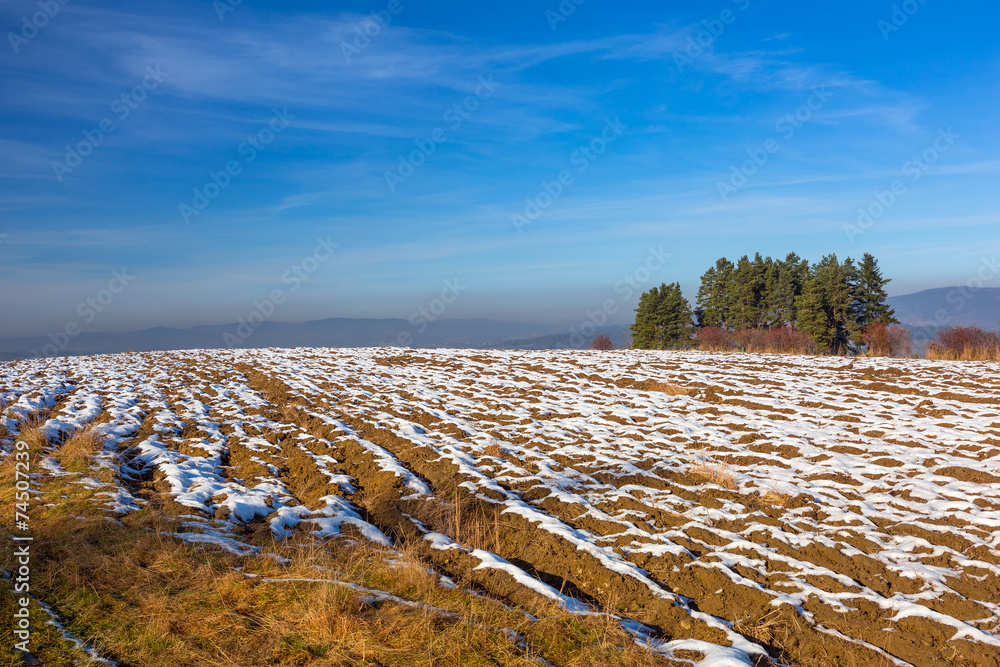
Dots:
(141, 596)
(494, 450)
(77, 451)
(716, 472)
(983, 353)
(774, 498)
(666, 388)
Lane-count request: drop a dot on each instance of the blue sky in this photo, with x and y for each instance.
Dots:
(642, 108)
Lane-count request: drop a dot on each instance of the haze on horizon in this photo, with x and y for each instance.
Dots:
(191, 160)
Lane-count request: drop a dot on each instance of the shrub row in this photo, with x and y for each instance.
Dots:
(778, 340)
(970, 343)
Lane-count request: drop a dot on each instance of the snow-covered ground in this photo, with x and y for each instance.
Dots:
(855, 506)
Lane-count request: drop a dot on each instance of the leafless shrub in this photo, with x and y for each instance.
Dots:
(884, 340)
(969, 343)
(602, 343)
(779, 340)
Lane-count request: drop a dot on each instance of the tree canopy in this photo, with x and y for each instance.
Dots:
(662, 319)
(832, 302)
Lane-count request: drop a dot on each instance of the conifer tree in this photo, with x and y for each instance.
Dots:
(715, 295)
(870, 304)
(826, 307)
(662, 319)
(772, 277)
(791, 275)
(748, 291)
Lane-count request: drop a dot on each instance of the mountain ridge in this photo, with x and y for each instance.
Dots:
(924, 313)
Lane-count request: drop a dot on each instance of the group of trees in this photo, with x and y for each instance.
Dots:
(830, 303)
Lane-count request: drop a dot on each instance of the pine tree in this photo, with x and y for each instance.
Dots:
(748, 292)
(662, 319)
(715, 295)
(826, 307)
(813, 318)
(705, 314)
(870, 305)
(791, 275)
(675, 316)
(772, 278)
(644, 329)
(760, 270)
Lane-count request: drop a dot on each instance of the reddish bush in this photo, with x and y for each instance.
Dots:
(745, 340)
(969, 343)
(603, 343)
(780, 340)
(884, 340)
(788, 340)
(713, 339)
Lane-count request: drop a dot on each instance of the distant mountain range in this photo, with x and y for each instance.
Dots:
(338, 332)
(949, 306)
(924, 313)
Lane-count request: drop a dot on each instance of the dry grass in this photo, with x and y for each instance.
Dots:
(76, 453)
(773, 498)
(666, 388)
(761, 629)
(968, 343)
(968, 354)
(140, 596)
(716, 472)
(472, 523)
(494, 450)
(143, 597)
(769, 629)
(30, 431)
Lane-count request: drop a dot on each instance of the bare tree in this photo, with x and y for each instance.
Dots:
(602, 343)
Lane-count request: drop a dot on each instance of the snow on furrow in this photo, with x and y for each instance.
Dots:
(867, 448)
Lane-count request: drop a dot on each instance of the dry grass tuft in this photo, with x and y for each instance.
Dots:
(494, 450)
(716, 472)
(30, 431)
(472, 523)
(77, 451)
(774, 498)
(765, 629)
(666, 388)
